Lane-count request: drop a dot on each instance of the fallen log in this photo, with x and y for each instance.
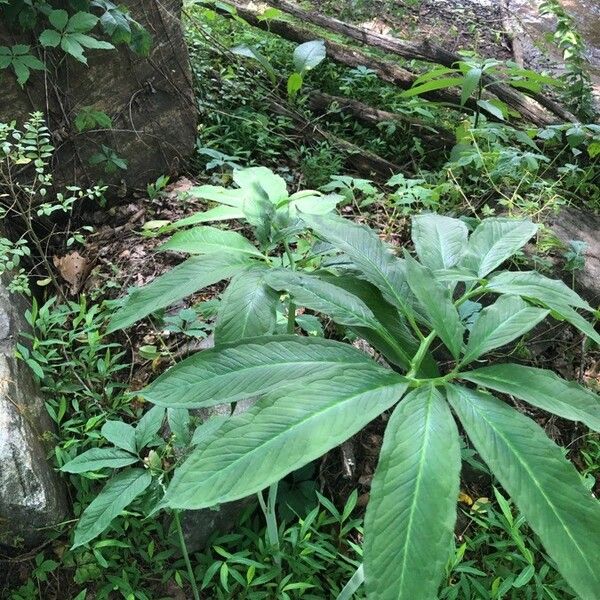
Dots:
(537, 111)
(349, 57)
(367, 163)
(438, 137)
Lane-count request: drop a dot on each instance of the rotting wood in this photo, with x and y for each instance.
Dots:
(350, 57)
(536, 109)
(363, 161)
(321, 102)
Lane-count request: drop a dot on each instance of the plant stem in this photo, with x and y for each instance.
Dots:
(271, 519)
(291, 321)
(420, 355)
(186, 556)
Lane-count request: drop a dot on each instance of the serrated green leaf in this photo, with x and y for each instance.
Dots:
(82, 22)
(439, 241)
(253, 367)
(412, 508)
(494, 241)
(58, 19)
(208, 240)
(247, 309)
(99, 458)
(50, 38)
(118, 493)
(501, 323)
(541, 481)
(437, 304)
(120, 434)
(280, 434)
(72, 47)
(190, 276)
(543, 389)
(149, 426)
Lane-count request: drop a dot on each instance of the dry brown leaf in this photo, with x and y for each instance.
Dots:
(73, 268)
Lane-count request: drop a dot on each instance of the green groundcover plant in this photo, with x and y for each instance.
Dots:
(433, 318)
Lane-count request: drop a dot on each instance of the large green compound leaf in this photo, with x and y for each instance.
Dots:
(208, 240)
(412, 509)
(542, 482)
(494, 241)
(543, 389)
(119, 492)
(375, 261)
(439, 241)
(250, 368)
(247, 309)
(281, 433)
(190, 276)
(499, 324)
(437, 304)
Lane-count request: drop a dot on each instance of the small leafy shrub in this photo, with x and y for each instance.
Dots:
(27, 197)
(315, 393)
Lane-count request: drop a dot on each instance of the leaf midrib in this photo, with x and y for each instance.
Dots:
(413, 507)
(309, 416)
(536, 484)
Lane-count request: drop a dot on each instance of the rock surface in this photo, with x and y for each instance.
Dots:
(576, 224)
(150, 101)
(199, 525)
(31, 494)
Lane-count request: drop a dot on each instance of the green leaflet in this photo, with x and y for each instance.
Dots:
(281, 433)
(387, 314)
(208, 240)
(570, 315)
(376, 262)
(190, 276)
(502, 322)
(118, 493)
(218, 213)
(543, 483)
(319, 295)
(437, 304)
(149, 426)
(99, 458)
(543, 389)
(247, 309)
(494, 241)
(120, 434)
(439, 241)
(532, 284)
(411, 513)
(253, 367)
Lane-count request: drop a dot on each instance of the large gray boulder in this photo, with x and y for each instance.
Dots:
(31, 494)
(583, 225)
